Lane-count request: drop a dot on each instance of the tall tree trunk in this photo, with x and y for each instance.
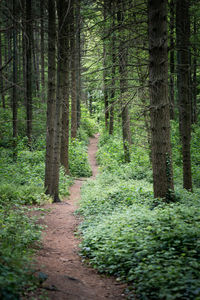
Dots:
(65, 90)
(24, 62)
(105, 62)
(183, 70)
(14, 90)
(78, 62)
(73, 73)
(113, 51)
(42, 48)
(123, 55)
(159, 103)
(1, 77)
(51, 96)
(29, 40)
(194, 78)
(172, 69)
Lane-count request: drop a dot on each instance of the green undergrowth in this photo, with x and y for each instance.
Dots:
(126, 232)
(19, 233)
(22, 185)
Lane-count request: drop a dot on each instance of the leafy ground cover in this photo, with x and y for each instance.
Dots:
(22, 184)
(152, 245)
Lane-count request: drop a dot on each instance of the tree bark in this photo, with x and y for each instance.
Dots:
(73, 73)
(29, 40)
(78, 62)
(159, 103)
(105, 62)
(51, 96)
(194, 77)
(123, 55)
(65, 89)
(172, 69)
(113, 71)
(42, 48)
(14, 90)
(1, 77)
(183, 74)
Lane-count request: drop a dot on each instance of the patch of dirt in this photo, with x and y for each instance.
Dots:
(68, 278)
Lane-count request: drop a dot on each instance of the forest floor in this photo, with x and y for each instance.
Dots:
(68, 277)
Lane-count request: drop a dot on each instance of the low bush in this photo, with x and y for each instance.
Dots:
(150, 244)
(78, 159)
(18, 234)
(126, 232)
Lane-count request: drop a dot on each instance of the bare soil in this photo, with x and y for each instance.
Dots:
(68, 277)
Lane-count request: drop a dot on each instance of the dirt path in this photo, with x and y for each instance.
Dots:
(68, 277)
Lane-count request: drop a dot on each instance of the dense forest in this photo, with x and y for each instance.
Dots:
(128, 69)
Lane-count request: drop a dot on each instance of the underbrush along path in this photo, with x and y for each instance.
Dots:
(68, 278)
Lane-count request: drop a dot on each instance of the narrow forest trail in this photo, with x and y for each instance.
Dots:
(68, 277)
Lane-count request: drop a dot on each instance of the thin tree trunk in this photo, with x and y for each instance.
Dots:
(78, 62)
(182, 37)
(42, 48)
(123, 55)
(29, 40)
(105, 55)
(35, 65)
(1, 77)
(159, 103)
(14, 90)
(51, 96)
(112, 93)
(194, 79)
(24, 62)
(172, 69)
(65, 91)
(73, 73)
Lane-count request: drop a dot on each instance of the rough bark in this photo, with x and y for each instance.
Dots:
(123, 56)
(65, 91)
(29, 40)
(51, 96)
(159, 103)
(73, 73)
(42, 48)
(113, 71)
(14, 89)
(105, 62)
(183, 73)
(194, 77)
(172, 68)
(78, 62)
(1, 77)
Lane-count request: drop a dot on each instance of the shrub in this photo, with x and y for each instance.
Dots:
(152, 245)
(18, 234)
(78, 159)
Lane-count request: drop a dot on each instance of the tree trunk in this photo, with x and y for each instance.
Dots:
(105, 62)
(29, 40)
(65, 90)
(1, 77)
(14, 90)
(51, 96)
(159, 103)
(172, 69)
(194, 78)
(73, 73)
(123, 55)
(42, 48)
(183, 73)
(113, 53)
(78, 62)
